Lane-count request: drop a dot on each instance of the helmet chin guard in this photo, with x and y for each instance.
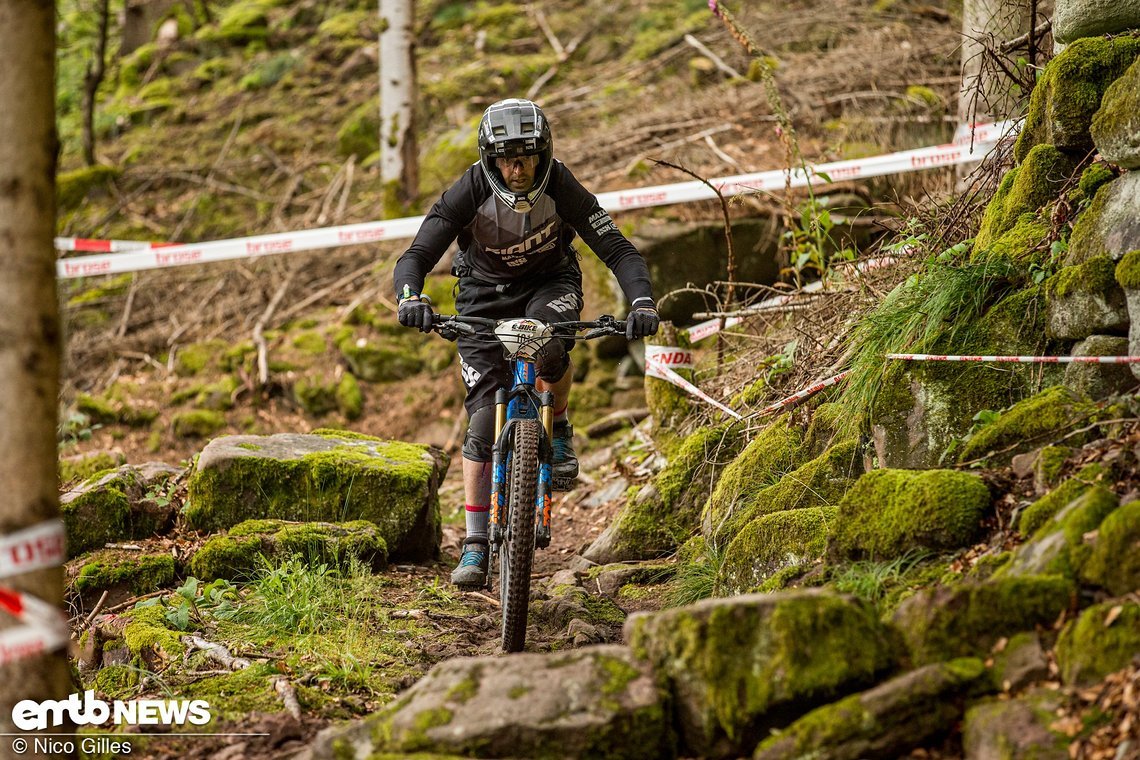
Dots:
(511, 128)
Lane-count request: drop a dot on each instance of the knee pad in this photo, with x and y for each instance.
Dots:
(480, 434)
(552, 361)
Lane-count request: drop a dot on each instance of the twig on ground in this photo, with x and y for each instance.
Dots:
(217, 653)
(288, 696)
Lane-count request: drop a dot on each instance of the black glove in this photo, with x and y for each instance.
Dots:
(641, 322)
(415, 312)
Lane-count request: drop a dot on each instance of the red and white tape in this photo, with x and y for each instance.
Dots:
(805, 393)
(663, 372)
(159, 256)
(44, 627)
(106, 246)
(1018, 359)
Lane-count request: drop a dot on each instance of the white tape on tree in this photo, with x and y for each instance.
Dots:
(139, 256)
(663, 372)
(32, 549)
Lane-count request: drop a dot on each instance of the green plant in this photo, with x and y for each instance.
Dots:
(811, 242)
(981, 420)
(344, 671)
(695, 580)
(75, 427)
(873, 581)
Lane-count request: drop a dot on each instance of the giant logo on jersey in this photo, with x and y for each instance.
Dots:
(541, 241)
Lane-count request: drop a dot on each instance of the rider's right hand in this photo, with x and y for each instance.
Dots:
(415, 313)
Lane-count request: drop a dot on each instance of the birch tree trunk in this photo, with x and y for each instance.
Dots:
(29, 328)
(399, 170)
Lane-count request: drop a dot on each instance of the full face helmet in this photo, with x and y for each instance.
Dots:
(511, 128)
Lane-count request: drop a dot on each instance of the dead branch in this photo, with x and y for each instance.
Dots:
(716, 59)
(217, 653)
(259, 328)
(288, 696)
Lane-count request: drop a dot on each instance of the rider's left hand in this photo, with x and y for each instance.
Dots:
(641, 322)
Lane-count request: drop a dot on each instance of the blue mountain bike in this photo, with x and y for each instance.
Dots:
(521, 481)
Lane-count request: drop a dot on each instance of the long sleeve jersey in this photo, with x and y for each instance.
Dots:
(501, 245)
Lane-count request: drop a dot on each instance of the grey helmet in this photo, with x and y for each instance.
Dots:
(510, 128)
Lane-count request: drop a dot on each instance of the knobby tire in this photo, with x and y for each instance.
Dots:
(517, 553)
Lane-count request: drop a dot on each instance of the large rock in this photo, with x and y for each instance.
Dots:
(1098, 381)
(1045, 415)
(589, 703)
(668, 404)
(1116, 126)
(739, 667)
(1085, 300)
(887, 721)
(241, 552)
(1110, 226)
(1113, 562)
(1069, 93)
(1023, 190)
(1128, 276)
(771, 543)
(1015, 728)
(663, 514)
(967, 619)
(121, 505)
(120, 574)
(1073, 19)
(327, 476)
(1060, 546)
(1104, 639)
(888, 513)
(1040, 512)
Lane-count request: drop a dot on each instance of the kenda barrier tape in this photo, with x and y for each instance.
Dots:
(157, 256)
(1018, 359)
(44, 627)
(667, 356)
(805, 393)
(663, 372)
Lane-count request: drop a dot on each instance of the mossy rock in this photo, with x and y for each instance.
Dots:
(198, 357)
(83, 466)
(1100, 381)
(1043, 510)
(150, 641)
(567, 603)
(120, 505)
(1100, 641)
(315, 391)
(822, 482)
(1085, 299)
(1024, 190)
(73, 187)
(1025, 243)
(109, 411)
(886, 721)
(122, 575)
(1093, 178)
(967, 619)
(1018, 727)
(329, 476)
(349, 398)
(1074, 19)
(1051, 412)
(1069, 93)
(376, 363)
(776, 450)
(607, 705)
(664, 513)
(888, 513)
(197, 423)
(826, 423)
(1116, 126)
(251, 545)
(241, 23)
(1059, 546)
(359, 135)
(772, 542)
(668, 404)
(739, 667)
(1114, 558)
(1110, 226)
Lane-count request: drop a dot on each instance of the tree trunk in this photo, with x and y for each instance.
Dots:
(398, 158)
(29, 329)
(988, 92)
(91, 81)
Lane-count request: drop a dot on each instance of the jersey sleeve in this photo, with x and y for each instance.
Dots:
(580, 208)
(451, 213)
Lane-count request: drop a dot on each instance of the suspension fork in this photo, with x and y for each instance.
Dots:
(542, 496)
(499, 470)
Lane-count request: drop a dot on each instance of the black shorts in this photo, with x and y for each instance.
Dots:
(554, 297)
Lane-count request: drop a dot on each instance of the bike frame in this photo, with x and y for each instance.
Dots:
(523, 401)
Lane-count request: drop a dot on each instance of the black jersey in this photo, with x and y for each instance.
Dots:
(500, 245)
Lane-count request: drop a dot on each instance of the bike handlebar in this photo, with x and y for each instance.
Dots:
(461, 325)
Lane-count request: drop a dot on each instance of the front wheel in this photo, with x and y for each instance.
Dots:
(517, 552)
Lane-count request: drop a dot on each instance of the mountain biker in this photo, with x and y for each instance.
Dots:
(514, 214)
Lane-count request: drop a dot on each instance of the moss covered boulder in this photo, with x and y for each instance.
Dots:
(668, 404)
(1099, 381)
(1069, 93)
(1051, 412)
(1110, 226)
(1023, 190)
(1061, 545)
(589, 703)
(890, 512)
(1128, 275)
(327, 476)
(1116, 126)
(967, 619)
(1043, 510)
(120, 505)
(770, 543)
(121, 574)
(1084, 300)
(1016, 728)
(247, 546)
(739, 667)
(775, 451)
(1113, 561)
(1104, 639)
(663, 514)
(887, 721)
